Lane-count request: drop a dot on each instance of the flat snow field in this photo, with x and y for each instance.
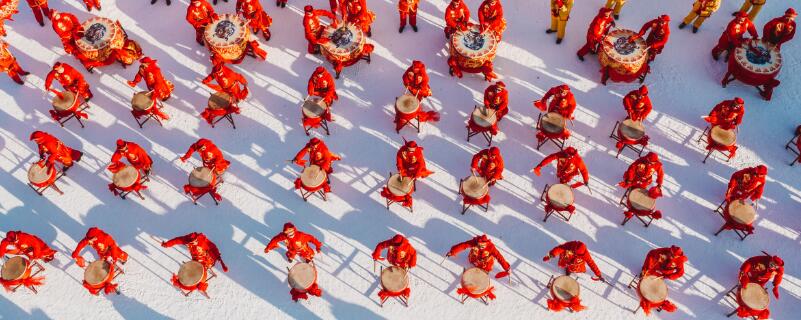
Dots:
(259, 196)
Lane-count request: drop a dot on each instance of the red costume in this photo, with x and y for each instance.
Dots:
(408, 9)
(228, 81)
(490, 16)
(638, 104)
(297, 243)
(496, 97)
(488, 164)
(415, 79)
(256, 16)
(410, 161)
(599, 27)
(55, 150)
(658, 37)
(154, 79)
(728, 114)
(734, 35)
(136, 156)
(70, 79)
(761, 269)
(322, 84)
(457, 17)
(562, 103)
(482, 254)
(781, 29)
(747, 183)
(356, 12)
(40, 10)
(68, 29)
(568, 165)
(319, 155)
(92, 4)
(9, 64)
(104, 245)
(574, 257)
(199, 14)
(210, 155)
(7, 14)
(200, 248)
(26, 244)
(313, 29)
(664, 262)
(400, 252)
(640, 174)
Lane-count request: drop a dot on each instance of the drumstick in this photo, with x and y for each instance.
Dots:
(443, 260)
(374, 264)
(588, 188)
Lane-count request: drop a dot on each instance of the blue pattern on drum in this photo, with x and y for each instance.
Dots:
(473, 40)
(224, 30)
(95, 33)
(624, 47)
(757, 55)
(342, 37)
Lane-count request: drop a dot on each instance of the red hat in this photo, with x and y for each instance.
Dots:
(11, 235)
(120, 143)
(739, 100)
(93, 232)
(564, 87)
(761, 170)
(398, 239)
(319, 69)
(202, 142)
(495, 151)
(410, 144)
(308, 8)
(315, 140)
(777, 260)
(604, 10)
(582, 249)
(665, 18)
(570, 151)
(652, 157)
(741, 14)
(147, 60)
(676, 251)
(288, 226)
(790, 12)
(482, 238)
(643, 90)
(36, 135)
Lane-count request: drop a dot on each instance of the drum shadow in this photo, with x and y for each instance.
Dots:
(13, 311)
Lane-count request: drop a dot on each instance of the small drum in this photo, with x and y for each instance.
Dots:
(347, 43)
(472, 48)
(475, 187)
(101, 36)
(400, 186)
(407, 104)
(15, 269)
(653, 289)
(742, 212)
(723, 137)
(632, 130)
(754, 296)
(553, 122)
(142, 101)
(758, 58)
(219, 100)
(202, 177)
(314, 107)
(565, 288)
(560, 195)
(484, 117)
(39, 175)
(312, 177)
(191, 274)
(621, 55)
(98, 273)
(640, 200)
(476, 281)
(8, 9)
(67, 102)
(302, 276)
(126, 177)
(394, 279)
(227, 36)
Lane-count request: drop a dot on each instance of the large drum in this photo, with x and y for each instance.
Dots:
(653, 289)
(754, 296)
(560, 196)
(742, 212)
(100, 37)
(15, 269)
(722, 136)
(400, 186)
(553, 122)
(475, 187)
(67, 102)
(302, 276)
(202, 177)
(484, 117)
(632, 130)
(407, 104)
(394, 279)
(41, 175)
(126, 178)
(312, 177)
(314, 107)
(98, 274)
(347, 43)
(8, 9)
(142, 101)
(756, 62)
(473, 48)
(641, 201)
(565, 288)
(191, 274)
(219, 100)
(622, 56)
(227, 37)
(476, 281)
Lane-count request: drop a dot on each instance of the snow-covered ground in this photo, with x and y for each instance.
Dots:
(259, 195)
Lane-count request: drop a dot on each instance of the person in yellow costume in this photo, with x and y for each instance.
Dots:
(560, 13)
(616, 6)
(751, 7)
(702, 9)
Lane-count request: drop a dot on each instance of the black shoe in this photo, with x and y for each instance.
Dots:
(169, 2)
(734, 14)
(617, 16)
(400, 30)
(695, 29)
(580, 57)
(682, 25)
(278, 3)
(414, 28)
(283, 4)
(549, 31)
(558, 41)
(24, 73)
(42, 23)
(716, 57)
(153, 1)
(369, 33)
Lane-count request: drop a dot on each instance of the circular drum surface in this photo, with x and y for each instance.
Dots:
(67, 101)
(126, 177)
(621, 55)
(38, 174)
(723, 137)
(475, 187)
(755, 296)
(565, 288)
(639, 199)
(473, 48)
(97, 272)
(475, 280)
(758, 57)
(302, 276)
(142, 101)
(201, 177)
(553, 122)
(219, 100)
(227, 36)
(314, 107)
(394, 279)
(484, 117)
(191, 273)
(14, 268)
(400, 186)
(407, 104)
(100, 36)
(560, 195)
(654, 289)
(312, 176)
(742, 212)
(347, 42)
(632, 130)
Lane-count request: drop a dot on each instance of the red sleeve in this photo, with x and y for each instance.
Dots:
(498, 256)
(378, 248)
(591, 264)
(116, 157)
(138, 76)
(777, 280)
(3, 247)
(679, 271)
(660, 174)
(548, 95)
(752, 30)
(215, 253)
(486, 96)
(481, 10)
(646, 101)
(77, 252)
(556, 251)
(649, 260)
(178, 240)
(49, 80)
(313, 240)
(399, 162)
(645, 28)
(189, 152)
(628, 104)
(299, 156)
(571, 104)
(760, 189)
(476, 159)
(584, 173)
(275, 241)
(744, 269)
(547, 160)
(412, 257)
(460, 247)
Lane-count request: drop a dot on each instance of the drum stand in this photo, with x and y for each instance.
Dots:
(558, 212)
(732, 296)
(195, 198)
(559, 142)
(410, 122)
(159, 105)
(706, 133)
(549, 287)
(635, 281)
(719, 211)
(624, 203)
(204, 293)
(486, 133)
(638, 148)
(468, 206)
(797, 153)
(390, 202)
(41, 190)
(400, 298)
(124, 194)
(228, 116)
(307, 194)
(323, 124)
(81, 107)
(39, 269)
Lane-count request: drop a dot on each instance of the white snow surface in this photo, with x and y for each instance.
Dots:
(259, 195)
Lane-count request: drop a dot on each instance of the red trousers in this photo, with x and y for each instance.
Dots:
(412, 18)
(590, 46)
(40, 12)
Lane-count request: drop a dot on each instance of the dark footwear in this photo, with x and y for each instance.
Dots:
(400, 30)
(549, 31)
(283, 4)
(695, 29)
(414, 28)
(617, 16)
(714, 56)
(580, 57)
(153, 1)
(558, 41)
(682, 25)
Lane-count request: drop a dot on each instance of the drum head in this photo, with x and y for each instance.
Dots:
(474, 44)
(142, 101)
(653, 289)
(219, 100)
(475, 280)
(553, 122)
(227, 30)
(66, 101)
(346, 41)
(758, 57)
(126, 177)
(484, 117)
(14, 268)
(407, 104)
(191, 273)
(639, 200)
(201, 177)
(723, 137)
(755, 296)
(302, 276)
(475, 187)
(742, 212)
(97, 272)
(565, 288)
(98, 34)
(616, 46)
(394, 279)
(312, 176)
(632, 130)
(39, 174)
(400, 186)
(314, 107)
(560, 195)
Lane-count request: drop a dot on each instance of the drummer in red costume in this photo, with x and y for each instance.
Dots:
(568, 165)
(488, 164)
(313, 28)
(228, 81)
(761, 269)
(154, 80)
(322, 84)
(407, 9)
(728, 114)
(496, 98)
(640, 174)
(562, 103)
(410, 161)
(667, 263)
(415, 79)
(200, 248)
(490, 16)
(26, 244)
(574, 258)
(68, 28)
(55, 150)
(92, 4)
(257, 18)
(748, 183)
(210, 155)
(658, 37)
(638, 104)
(734, 35)
(70, 79)
(781, 29)
(356, 12)
(599, 27)
(199, 14)
(40, 10)
(136, 156)
(10, 66)
(319, 155)
(482, 254)
(297, 243)
(400, 252)
(104, 245)
(457, 17)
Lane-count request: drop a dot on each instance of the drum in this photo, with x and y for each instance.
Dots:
(98, 273)
(312, 177)
(641, 201)
(560, 195)
(227, 37)
(126, 177)
(653, 289)
(100, 37)
(16, 268)
(67, 102)
(484, 117)
(565, 288)
(632, 130)
(553, 122)
(191, 274)
(394, 279)
(202, 177)
(347, 43)
(302, 276)
(758, 58)
(476, 281)
(407, 104)
(142, 101)
(314, 107)
(400, 186)
(473, 48)
(219, 100)
(754, 296)
(475, 187)
(621, 55)
(723, 137)
(40, 176)
(742, 212)
(8, 9)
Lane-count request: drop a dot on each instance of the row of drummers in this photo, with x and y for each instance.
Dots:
(23, 269)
